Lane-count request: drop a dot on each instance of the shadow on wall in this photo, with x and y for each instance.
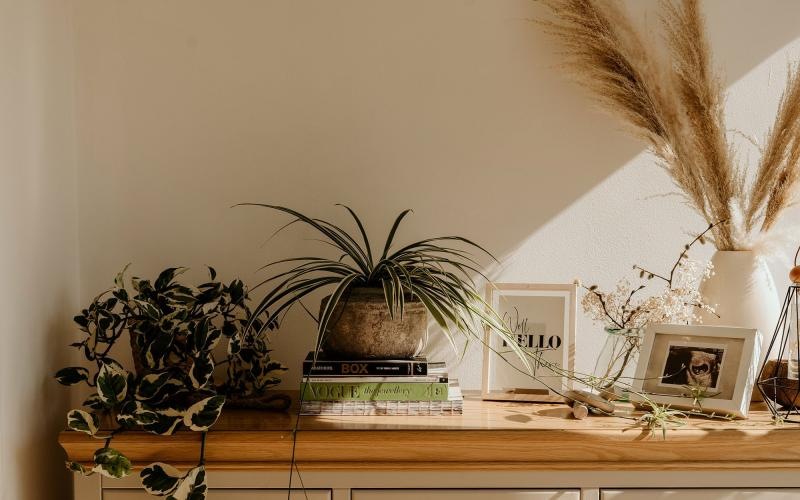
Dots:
(455, 108)
(40, 456)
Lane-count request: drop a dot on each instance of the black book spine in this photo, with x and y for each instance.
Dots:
(376, 368)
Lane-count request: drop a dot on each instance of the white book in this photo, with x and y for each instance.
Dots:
(422, 408)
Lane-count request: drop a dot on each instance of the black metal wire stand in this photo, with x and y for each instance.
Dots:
(780, 390)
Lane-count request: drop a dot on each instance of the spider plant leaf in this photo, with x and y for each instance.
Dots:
(438, 314)
(296, 287)
(287, 289)
(304, 260)
(361, 229)
(390, 238)
(334, 235)
(397, 289)
(427, 241)
(388, 294)
(301, 270)
(431, 306)
(353, 248)
(333, 301)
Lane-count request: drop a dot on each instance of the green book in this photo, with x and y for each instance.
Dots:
(374, 391)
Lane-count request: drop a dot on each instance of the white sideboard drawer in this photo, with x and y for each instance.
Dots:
(702, 494)
(224, 494)
(487, 494)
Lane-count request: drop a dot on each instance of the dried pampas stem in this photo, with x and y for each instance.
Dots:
(679, 111)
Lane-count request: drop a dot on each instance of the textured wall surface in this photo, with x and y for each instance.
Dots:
(455, 108)
(39, 249)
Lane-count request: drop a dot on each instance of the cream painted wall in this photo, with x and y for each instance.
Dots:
(39, 250)
(454, 108)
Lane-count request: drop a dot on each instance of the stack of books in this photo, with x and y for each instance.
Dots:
(377, 387)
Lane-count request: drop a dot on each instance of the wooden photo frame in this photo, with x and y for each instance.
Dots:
(720, 360)
(544, 317)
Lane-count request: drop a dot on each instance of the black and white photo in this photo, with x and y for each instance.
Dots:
(703, 368)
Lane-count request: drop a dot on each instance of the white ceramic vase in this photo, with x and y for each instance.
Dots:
(743, 293)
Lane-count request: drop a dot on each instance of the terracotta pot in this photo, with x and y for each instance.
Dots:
(362, 328)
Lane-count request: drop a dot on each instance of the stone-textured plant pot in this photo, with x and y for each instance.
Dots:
(362, 328)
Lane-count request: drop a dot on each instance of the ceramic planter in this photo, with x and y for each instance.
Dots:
(362, 328)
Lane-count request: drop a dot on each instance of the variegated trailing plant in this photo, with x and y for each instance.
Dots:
(173, 331)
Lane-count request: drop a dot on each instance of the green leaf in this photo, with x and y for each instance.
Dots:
(157, 350)
(392, 232)
(112, 383)
(236, 291)
(203, 414)
(167, 421)
(336, 236)
(135, 413)
(95, 403)
(192, 486)
(150, 385)
(111, 463)
(79, 468)
(333, 300)
(204, 337)
(202, 370)
(361, 229)
(72, 375)
(83, 421)
(119, 279)
(166, 277)
(160, 479)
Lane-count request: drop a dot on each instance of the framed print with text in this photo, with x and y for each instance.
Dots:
(542, 318)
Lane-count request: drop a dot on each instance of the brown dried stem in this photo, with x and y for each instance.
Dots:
(678, 110)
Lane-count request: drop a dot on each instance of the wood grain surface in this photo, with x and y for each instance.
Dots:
(488, 436)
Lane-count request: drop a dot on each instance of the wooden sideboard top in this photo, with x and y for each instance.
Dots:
(489, 435)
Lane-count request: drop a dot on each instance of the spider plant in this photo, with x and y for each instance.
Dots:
(438, 271)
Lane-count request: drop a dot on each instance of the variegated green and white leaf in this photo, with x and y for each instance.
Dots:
(160, 479)
(157, 350)
(203, 414)
(95, 403)
(156, 387)
(202, 370)
(112, 383)
(205, 337)
(165, 424)
(72, 375)
(192, 486)
(119, 279)
(83, 421)
(79, 468)
(136, 413)
(234, 344)
(111, 463)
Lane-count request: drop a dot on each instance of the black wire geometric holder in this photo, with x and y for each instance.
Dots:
(781, 393)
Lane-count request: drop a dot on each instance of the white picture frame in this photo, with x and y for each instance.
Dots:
(541, 312)
(727, 360)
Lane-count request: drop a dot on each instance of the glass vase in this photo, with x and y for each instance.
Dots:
(616, 364)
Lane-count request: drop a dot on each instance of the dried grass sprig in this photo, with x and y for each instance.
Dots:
(700, 91)
(778, 170)
(679, 111)
(609, 58)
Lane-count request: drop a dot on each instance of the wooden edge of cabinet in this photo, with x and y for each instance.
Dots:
(590, 449)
